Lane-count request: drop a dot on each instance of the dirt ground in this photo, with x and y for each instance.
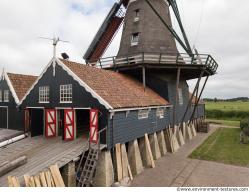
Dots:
(177, 170)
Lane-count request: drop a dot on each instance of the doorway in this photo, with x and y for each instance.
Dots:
(3, 117)
(82, 123)
(36, 122)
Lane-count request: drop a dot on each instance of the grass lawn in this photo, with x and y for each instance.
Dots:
(225, 122)
(223, 146)
(228, 106)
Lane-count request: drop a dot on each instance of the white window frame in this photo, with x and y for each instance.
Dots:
(1, 96)
(180, 96)
(44, 94)
(134, 39)
(66, 93)
(143, 114)
(160, 113)
(6, 95)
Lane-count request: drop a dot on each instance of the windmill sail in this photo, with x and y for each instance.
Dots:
(105, 34)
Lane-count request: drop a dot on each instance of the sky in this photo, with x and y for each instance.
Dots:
(219, 28)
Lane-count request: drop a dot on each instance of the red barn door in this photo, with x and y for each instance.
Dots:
(94, 126)
(50, 130)
(68, 124)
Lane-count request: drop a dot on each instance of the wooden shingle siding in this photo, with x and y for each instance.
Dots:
(15, 117)
(124, 128)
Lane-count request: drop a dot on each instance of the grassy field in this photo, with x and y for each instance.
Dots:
(224, 110)
(224, 146)
(228, 106)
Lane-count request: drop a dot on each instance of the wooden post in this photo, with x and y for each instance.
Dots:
(119, 162)
(176, 97)
(191, 98)
(147, 142)
(144, 79)
(198, 99)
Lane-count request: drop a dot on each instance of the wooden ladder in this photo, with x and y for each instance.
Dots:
(88, 171)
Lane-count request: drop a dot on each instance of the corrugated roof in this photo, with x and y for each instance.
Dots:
(21, 83)
(119, 90)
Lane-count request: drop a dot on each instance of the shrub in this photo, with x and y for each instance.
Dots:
(244, 125)
(219, 114)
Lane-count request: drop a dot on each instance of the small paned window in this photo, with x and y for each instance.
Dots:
(180, 96)
(160, 113)
(1, 96)
(136, 18)
(44, 94)
(143, 114)
(134, 39)
(6, 96)
(137, 11)
(66, 93)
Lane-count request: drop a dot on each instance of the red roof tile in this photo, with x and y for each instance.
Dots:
(21, 83)
(119, 90)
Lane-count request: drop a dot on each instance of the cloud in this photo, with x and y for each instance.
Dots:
(223, 32)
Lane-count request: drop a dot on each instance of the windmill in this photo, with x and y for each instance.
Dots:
(149, 53)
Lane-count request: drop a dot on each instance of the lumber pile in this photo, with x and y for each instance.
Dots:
(48, 178)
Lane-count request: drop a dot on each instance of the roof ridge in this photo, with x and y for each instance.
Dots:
(21, 74)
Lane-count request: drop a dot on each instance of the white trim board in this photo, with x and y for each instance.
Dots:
(35, 107)
(140, 108)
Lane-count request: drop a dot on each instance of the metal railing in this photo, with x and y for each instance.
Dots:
(158, 58)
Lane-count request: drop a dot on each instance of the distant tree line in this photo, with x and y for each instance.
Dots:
(244, 99)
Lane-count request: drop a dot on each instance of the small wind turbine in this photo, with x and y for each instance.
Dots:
(55, 42)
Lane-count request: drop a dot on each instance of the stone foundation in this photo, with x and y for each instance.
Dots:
(104, 171)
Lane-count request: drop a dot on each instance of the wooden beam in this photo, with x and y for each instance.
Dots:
(147, 143)
(32, 182)
(198, 98)
(48, 178)
(144, 78)
(43, 179)
(176, 97)
(11, 165)
(191, 98)
(15, 182)
(10, 183)
(119, 161)
(56, 175)
(37, 181)
(26, 180)
(130, 173)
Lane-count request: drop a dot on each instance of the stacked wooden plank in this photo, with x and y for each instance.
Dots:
(48, 178)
